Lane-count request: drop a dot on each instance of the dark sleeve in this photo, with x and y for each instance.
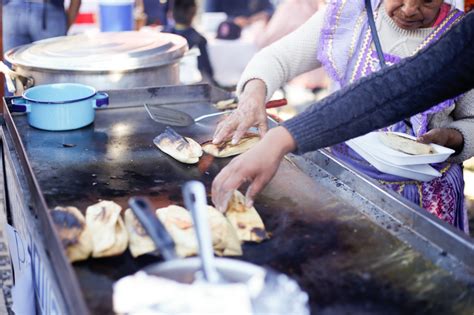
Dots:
(204, 63)
(441, 71)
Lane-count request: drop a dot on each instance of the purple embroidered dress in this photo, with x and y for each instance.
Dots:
(347, 54)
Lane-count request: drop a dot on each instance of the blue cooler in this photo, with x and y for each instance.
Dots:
(116, 15)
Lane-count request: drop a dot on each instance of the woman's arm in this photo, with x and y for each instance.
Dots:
(441, 71)
(463, 115)
(286, 58)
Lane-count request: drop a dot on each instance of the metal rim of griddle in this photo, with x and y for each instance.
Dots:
(69, 286)
(416, 219)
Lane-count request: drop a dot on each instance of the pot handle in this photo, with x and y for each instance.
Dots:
(11, 75)
(20, 105)
(101, 99)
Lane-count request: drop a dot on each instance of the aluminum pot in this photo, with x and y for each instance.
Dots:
(270, 292)
(61, 106)
(104, 60)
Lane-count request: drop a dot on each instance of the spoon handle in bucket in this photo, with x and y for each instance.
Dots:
(153, 226)
(194, 195)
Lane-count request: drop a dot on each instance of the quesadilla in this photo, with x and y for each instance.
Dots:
(226, 148)
(109, 236)
(139, 241)
(404, 144)
(73, 232)
(183, 149)
(179, 224)
(245, 220)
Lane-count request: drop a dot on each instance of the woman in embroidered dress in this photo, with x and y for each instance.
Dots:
(339, 39)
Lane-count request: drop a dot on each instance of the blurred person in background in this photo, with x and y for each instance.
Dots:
(158, 12)
(184, 12)
(288, 16)
(26, 21)
(242, 12)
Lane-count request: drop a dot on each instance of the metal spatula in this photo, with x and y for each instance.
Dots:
(173, 117)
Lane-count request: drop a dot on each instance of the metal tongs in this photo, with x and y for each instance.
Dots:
(194, 195)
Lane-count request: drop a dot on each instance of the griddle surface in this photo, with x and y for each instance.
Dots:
(347, 264)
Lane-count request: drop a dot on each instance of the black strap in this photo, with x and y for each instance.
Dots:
(375, 36)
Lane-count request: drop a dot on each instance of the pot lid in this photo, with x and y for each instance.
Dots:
(117, 51)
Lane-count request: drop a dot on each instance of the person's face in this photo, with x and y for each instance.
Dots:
(413, 14)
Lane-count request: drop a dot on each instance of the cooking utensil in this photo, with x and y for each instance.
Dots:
(61, 106)
(177, 118)
(103, 60)
(194, 195)
(153, 226)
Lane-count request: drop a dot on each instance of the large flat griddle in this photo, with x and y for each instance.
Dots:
(346, 261)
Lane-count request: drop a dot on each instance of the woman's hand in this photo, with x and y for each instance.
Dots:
(446, 137)
(256, 166)
(249, 113)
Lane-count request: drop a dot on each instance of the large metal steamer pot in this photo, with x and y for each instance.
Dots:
(102, 60)
(270, 292)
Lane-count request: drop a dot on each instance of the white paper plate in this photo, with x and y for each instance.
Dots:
(422, 172)
(372, 144)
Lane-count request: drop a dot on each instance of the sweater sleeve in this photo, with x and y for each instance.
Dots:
(294, 54)
(441, 71)
(463, 115)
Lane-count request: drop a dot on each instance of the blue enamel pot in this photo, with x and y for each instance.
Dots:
(61, 106)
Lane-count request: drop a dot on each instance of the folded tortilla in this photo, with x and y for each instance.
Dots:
(109, 236)
(73, 232)
(245, 220)
(183, 149)
(179, 224)
(226, 149)
(404, 144)
(139, 241)
(224, 237)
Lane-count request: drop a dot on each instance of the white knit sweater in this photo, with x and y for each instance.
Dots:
(296, 53)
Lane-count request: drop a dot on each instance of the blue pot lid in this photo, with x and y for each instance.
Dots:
(111, 52)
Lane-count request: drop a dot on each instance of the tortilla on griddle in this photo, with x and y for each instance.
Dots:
(73, 232)
(182, 149)
(224, 237)
(109, 236)
(139, 241)
(404, 144)
(226, 148)
(179, 224)
(245, 220)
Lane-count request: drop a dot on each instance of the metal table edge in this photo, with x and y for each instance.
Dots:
(69, 285)
(418, 220)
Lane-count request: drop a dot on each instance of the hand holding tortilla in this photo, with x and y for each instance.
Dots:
(245, 220)
(250, 112)
(73, 232)
(109, 236)
(256, 166)
(447, 137)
